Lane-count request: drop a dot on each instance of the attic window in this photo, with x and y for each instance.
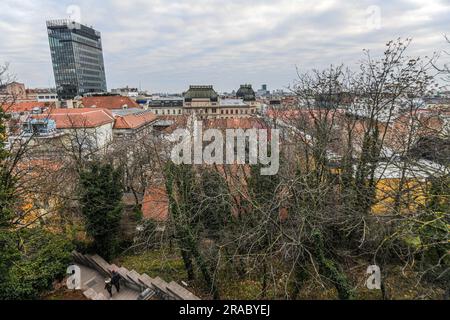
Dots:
(125, 106)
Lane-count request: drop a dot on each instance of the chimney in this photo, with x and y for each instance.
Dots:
(69, 104)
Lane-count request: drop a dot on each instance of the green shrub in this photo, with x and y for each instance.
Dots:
(41, 259)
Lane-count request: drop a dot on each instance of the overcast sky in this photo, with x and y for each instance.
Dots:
(165, 45)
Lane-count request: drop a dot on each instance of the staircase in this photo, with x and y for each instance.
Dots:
(150, 288)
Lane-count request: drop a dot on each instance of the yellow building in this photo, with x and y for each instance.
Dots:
(404, 186)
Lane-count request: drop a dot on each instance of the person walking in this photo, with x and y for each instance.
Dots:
(108, 287)
(115, 280)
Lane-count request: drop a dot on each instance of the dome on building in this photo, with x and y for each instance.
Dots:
(246, 92)
(200, 92)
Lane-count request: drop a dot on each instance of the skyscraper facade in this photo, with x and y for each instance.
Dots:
(77, 58)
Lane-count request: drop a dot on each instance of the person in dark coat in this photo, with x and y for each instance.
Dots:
(115, 280)
(108, 287)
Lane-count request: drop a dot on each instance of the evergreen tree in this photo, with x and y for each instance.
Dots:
(101, 204)
(8, 248)
(185, 208)
(216, 203)
(264, 217)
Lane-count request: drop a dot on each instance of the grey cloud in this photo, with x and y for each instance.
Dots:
(168, 44)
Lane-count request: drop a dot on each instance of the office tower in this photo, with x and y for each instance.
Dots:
(77, 58)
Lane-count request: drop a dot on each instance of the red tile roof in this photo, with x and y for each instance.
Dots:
(155, 205)
(428, 122)
(109, 102)
(39, 165)
(235, 123)
(221, 124)
(79, 118)
(134, 121)
(26, 106)
(306, 114)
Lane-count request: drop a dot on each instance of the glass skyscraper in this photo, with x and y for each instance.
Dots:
(77, 58)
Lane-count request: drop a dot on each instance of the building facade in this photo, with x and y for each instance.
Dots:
(86, 129)
(133, 126)
(166, 106)
(77, 58)
(13, 91)
(205, 103)
(126, 92)
(42, 95)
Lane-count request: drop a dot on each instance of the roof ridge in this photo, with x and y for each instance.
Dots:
(128, 124)
(108, 113)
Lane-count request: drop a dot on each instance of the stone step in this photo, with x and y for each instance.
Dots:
(100, 296)
(90, 262)
(160, 285)
(91, 294)
(76, 257)
(100, 261)
(146, 280)
(123, 272)
(102, 266)
(145, 284)
(134, 277)
(85, 261)
(180, 292)
(79, 258)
